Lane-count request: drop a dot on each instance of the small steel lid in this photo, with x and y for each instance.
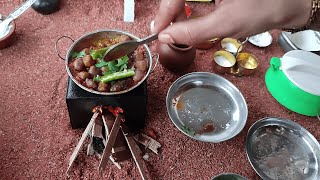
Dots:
(302, 68)
(261, 40)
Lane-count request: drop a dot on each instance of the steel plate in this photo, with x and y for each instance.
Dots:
(206, 107)
(280, 149)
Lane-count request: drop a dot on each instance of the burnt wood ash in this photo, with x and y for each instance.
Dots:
(97, 144)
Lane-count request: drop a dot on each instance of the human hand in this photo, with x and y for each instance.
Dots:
(230, 18)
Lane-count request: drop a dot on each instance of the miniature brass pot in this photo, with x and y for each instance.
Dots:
(246, 64)
(223, 61)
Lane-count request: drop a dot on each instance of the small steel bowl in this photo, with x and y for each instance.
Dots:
(206, 107)
(229, 176)
(246, 64)
(223, 61)
(8, 39)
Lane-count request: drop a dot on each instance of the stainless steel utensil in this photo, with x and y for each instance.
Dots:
(206, 107)
(121, 49)
(261, 40)
(288, 45)
(229, 176)
(317, 36)
(282, 149)
(13, 15)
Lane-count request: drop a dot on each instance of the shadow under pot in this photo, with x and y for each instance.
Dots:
(175, 57)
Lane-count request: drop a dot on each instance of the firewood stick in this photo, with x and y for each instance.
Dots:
(148, 142)
(135, 154)
(90, 150)
(105, 125)
(110, 142)
(114, 162)
(83, 137)
(97, 128)
(107, 134)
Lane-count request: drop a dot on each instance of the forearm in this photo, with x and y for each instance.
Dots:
(306, 17)
(316, 25)
(233, 18)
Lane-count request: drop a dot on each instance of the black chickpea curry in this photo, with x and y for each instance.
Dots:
(90, 70)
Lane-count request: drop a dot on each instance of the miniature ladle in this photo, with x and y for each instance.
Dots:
(4, 26)
(121, 49)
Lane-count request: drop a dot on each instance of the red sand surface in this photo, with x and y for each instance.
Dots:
(35, 133)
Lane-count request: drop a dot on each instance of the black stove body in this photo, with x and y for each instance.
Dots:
(80, 104)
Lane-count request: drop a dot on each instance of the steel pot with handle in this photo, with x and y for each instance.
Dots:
(87, 39)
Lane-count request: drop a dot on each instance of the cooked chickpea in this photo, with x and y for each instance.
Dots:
(78, 64)
(138, 56)
(124, 38)
(91, 84)
(141, 65)
(83, 75)
(86, 50)
(103, 87)
(88, 61)
(104, 69)
(93, 71)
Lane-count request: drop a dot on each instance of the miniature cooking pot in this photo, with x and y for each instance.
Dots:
(175, 57)
(294, 80)
(85, 41)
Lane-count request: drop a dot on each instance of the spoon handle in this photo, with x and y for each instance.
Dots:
(148, 39)
(17, 12)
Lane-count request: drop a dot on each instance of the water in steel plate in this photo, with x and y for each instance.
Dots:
(204, 110)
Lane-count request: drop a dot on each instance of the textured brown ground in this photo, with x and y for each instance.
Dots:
(35, 134)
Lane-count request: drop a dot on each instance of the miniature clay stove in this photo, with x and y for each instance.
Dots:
(110, 128)
(80, 104)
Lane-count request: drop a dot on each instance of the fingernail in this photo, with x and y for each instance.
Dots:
(152, 26)
(166, 38)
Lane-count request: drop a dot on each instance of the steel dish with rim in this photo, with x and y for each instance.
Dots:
(281, 149)
(206, 107)
(229, 176)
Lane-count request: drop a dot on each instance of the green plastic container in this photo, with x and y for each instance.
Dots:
(288, 94)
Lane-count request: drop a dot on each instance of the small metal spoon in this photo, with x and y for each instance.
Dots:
(13, 15)
(121, 49)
